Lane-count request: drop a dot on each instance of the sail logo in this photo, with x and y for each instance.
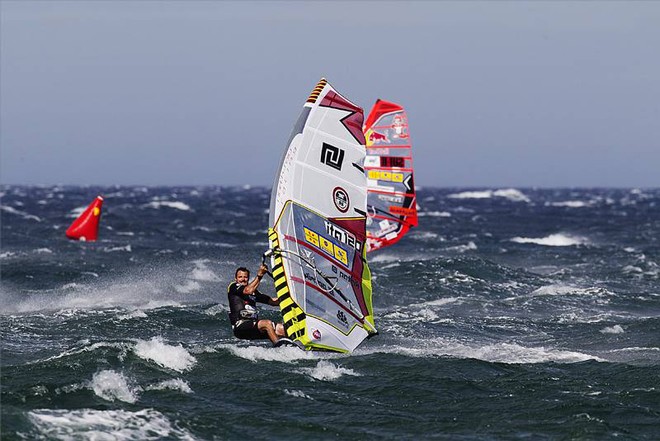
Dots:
(385, 176)
(343, 236)
(332, 156)
(326, 245)
(388, 198)
(402, 211)
(341, 200)
(342, 318)
(392, 161)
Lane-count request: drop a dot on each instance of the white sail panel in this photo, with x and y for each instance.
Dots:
(318, 232)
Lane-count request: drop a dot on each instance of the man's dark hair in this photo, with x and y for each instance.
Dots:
(242, 268)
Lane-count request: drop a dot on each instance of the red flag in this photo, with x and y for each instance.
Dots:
(86, 227)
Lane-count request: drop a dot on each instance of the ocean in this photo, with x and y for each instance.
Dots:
(507, 314)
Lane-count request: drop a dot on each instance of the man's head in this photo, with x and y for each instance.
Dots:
(242, 275)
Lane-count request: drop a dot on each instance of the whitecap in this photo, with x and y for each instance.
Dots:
(285, 354)
(43, 251)
(632, 269)
(553, 240)
(19, 213)
(636, 349)
(123, 347)
(132, 315)
(440, 302)
(434, 214)
(382, 257)
(616, 329)
(155, 304)
(565, 290)
(510, 193)
(116, 425)
(297, 394)
(173, 384)
(168, 204)
(423, 235)
(509, 353)
(327, 371)
(390, 266)
(472, 195)
(111, 386)
(216, 309)
(76, 212)
(421, 312)
(470, 246)
(570, 204)
(172, 357)
(386, 257)
(126, 248)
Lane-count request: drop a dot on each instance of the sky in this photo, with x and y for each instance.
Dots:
(498, 94)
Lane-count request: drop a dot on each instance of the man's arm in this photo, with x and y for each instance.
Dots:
(251, 287)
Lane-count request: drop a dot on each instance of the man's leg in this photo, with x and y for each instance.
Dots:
(279, 330)
(267, 327)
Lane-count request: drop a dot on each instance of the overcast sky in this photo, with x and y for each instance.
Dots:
(499, 94)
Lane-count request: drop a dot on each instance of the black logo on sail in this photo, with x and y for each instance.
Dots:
(332, 156)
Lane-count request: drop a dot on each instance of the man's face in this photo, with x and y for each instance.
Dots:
(242, 277)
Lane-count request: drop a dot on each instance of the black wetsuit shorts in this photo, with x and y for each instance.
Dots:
(248, 330)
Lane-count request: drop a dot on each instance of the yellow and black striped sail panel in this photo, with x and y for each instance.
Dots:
(293, 316)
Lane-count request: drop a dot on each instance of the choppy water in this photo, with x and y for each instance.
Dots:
(508, 314)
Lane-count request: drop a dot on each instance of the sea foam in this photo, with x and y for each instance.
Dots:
(111, 386)
(510, 193)
(173, 384)
(327, 371)
(553, 240)
(172, 357)
(510, 353)
(616, 329)
(115, 425)
(569, 204)
(285, 354)
(168, 204)
(19, 213)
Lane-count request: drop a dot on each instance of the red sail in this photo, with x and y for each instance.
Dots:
(391, 200)
(86, 227)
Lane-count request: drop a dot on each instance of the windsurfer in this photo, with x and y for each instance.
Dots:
(243, 296)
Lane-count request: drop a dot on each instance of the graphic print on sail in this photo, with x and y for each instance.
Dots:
(317, 227)
(86, 226)
(391, 200)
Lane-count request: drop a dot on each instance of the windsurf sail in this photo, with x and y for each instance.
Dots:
(391, 200)
(318, 220)
(86, 226)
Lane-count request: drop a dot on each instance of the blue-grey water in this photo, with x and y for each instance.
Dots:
(506, 315)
